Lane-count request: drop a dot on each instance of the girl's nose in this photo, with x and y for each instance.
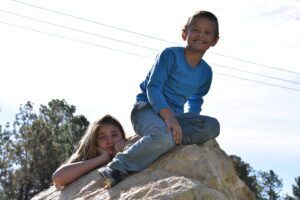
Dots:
(109, 140)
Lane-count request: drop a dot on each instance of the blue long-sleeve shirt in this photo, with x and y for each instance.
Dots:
(172, 82)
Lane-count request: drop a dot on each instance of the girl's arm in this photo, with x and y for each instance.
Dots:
(67, 173)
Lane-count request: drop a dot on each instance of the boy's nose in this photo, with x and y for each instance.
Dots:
(200, 33)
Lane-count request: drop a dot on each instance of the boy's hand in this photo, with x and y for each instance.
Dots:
(172, 125)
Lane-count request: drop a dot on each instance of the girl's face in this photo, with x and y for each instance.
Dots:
(108, 135)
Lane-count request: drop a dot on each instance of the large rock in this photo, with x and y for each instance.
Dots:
(187, 173)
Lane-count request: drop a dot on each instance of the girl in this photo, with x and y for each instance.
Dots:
(102, 141)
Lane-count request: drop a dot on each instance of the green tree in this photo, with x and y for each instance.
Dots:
(65, 128)
(296, 188)
(272, 185)
(40, 143)
(6, 163)
(288, 197)
(296, 191)
(248, 175)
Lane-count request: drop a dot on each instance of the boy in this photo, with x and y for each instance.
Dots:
(179, 76)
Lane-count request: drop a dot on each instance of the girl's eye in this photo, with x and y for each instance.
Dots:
(115, 135)
(101, 137)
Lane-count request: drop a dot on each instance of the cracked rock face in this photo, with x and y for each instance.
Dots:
(189, 172)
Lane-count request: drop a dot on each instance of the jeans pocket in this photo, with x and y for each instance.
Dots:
(141, 104)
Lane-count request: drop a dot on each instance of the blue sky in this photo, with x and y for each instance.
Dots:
(259, 122)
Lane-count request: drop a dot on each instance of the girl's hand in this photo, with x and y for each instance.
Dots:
(103, 153)
(119, 146)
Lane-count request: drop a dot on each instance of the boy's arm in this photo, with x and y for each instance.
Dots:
(155, 87)
(196, 100)
(158, 77)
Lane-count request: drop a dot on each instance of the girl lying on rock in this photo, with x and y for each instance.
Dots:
(102, 141)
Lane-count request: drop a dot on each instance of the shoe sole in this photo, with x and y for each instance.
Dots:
(108, 182)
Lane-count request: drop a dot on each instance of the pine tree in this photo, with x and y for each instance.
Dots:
(272, 185)
(296, 188)
(248, 175)
(41, 142)
(6, 170)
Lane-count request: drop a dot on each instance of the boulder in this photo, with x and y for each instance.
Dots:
(190, 172)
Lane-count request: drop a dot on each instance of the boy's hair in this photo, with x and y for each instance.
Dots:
(203, 14)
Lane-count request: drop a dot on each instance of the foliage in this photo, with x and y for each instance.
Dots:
(264, 185)
(288, 197)
(272, 185)
(296, 191)
(248, 175)
(296, 188)
(5, 163)
(36, 146)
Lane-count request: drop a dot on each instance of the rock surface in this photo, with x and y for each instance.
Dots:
(190, 172)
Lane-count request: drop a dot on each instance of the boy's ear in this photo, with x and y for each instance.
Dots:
(215, 41)
(183, 34)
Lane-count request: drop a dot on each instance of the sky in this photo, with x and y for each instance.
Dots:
(94, 54)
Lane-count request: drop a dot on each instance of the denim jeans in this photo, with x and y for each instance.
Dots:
(156, 141)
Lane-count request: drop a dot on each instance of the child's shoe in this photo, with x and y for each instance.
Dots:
(110, 176)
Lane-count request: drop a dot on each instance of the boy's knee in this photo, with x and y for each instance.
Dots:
(214, 127)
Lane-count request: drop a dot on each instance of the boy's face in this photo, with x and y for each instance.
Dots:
(201, 35)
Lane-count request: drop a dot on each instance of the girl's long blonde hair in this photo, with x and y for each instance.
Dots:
(87, 147)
